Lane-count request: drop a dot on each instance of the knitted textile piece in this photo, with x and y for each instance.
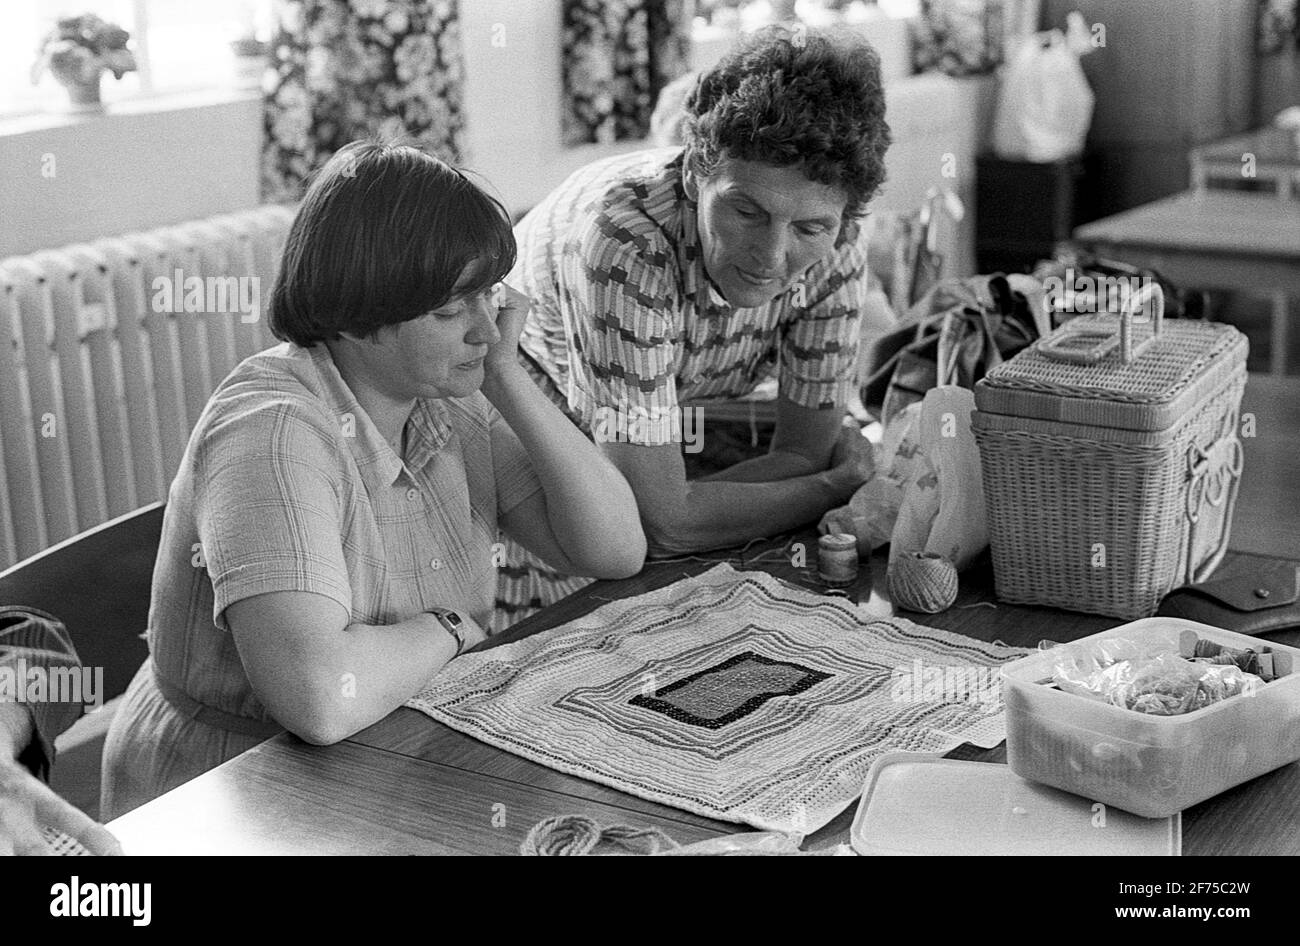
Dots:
(728, 695)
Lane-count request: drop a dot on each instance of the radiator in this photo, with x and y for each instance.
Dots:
(103, 374)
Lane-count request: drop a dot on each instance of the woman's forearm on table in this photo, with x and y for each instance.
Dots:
(324, 681)
(720, 514)
(393, 662)
(769, 468)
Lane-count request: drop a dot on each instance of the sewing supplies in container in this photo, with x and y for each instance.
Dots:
(1263, 662)
(1173, 716)
(837, 558)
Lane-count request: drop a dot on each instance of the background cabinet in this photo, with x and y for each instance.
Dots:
(1173, 74)
(1023, 209)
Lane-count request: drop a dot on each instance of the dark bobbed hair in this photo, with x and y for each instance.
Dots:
(381, 237)
(807, 98)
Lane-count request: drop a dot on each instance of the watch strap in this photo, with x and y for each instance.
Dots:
(452, 624)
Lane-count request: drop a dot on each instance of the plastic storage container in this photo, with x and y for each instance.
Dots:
(1111, 457)
(1149, 765)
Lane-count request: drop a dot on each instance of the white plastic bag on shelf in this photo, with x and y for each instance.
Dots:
(1045, 103)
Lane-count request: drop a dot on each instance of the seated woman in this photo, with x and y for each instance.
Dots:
(330, 540)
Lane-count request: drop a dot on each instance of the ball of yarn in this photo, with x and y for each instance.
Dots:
(923, 581)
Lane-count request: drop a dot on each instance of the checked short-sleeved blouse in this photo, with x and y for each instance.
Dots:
(286, 485)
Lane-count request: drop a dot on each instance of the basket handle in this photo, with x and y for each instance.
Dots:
(1091, 345)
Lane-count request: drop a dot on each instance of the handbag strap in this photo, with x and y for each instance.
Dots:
(949, 345)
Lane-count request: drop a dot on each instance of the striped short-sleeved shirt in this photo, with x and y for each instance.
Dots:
(626, 321)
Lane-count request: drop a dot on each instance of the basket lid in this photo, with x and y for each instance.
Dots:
(1172, 370)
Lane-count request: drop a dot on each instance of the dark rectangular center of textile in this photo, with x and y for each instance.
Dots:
(729, 691)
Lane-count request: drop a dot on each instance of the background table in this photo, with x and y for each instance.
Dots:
(1212, 240)
(1274, 154)
(411, 785)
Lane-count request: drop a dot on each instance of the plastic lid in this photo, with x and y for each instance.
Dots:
(916, 803)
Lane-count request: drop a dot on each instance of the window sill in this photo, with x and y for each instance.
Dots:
(141, 105)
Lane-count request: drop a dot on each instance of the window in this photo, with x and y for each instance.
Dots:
(179, 45)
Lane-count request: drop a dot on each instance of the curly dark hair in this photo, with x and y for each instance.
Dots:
(812, 98)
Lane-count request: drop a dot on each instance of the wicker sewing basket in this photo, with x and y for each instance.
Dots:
(1111, 459)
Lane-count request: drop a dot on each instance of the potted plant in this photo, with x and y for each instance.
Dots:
(77, 51)
(251, 58)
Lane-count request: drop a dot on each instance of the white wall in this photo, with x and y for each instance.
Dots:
(512, 99)
(143, 165)
(940, 125)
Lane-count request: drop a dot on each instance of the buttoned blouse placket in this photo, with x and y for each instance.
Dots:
(440, 535)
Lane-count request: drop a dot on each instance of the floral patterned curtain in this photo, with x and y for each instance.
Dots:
(618, 55)
(958, 37)
(345, 69)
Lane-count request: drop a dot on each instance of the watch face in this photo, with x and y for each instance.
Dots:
(453, 619)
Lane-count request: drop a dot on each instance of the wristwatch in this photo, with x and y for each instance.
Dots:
(452, 623)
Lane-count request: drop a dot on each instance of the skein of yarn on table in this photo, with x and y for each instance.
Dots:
(574, 835)
(923, 581)
(579, 836)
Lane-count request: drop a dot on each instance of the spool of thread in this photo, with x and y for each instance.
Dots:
(923, 581)
(837, 558)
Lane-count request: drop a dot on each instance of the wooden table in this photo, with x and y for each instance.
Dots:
(1212, 240)
(1268, 155)
(410, 785)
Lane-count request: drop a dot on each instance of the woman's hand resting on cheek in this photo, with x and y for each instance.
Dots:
(512, 308)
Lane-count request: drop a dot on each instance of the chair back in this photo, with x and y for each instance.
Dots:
(98, 584)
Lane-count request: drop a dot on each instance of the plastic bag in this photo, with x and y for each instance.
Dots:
(927, 494)
(942, 511)
(1122, 673)
(1045, 104)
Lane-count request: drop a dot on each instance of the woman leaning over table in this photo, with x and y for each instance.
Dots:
(336, 509)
